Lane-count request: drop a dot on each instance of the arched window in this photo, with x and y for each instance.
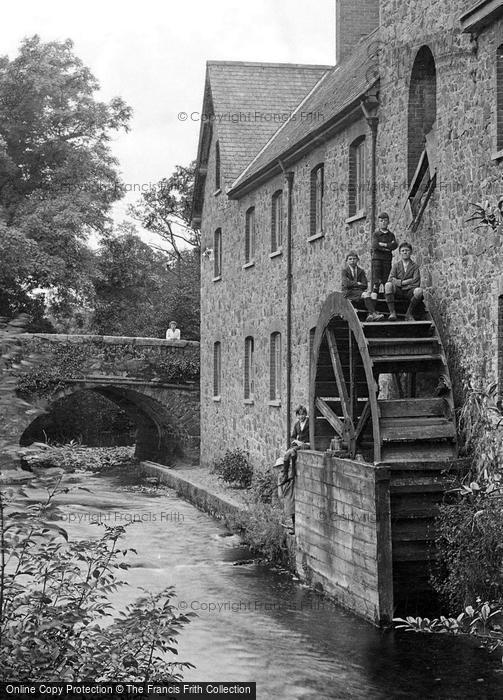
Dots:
(217, 166)
(217, 252)
(317, 187)
(250, 235)
(249, 368)
(422, 142)
(277, 221)
(499, 98)
(217, 369)
(422, 106)
(357, 179)
(275, 367)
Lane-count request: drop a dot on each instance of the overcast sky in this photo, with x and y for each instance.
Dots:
(152, 53)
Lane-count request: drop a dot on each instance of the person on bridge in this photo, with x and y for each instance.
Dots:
(354, 286)
(404, 282)
(383, 245)
(173, 333)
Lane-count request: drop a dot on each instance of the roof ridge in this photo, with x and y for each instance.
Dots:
(314, 66)
(278, 131)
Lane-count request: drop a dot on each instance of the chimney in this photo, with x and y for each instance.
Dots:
(353, 20)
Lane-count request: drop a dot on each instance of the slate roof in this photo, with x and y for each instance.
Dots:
(337, 91)
(251, 101)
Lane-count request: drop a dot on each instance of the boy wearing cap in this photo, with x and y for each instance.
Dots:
(355, 283)
(404, 282)
(286, 477)
(383, 245)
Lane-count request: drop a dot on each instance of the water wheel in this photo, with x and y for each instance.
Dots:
(415, 422)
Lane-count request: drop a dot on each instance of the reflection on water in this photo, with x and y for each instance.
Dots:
(257, 624)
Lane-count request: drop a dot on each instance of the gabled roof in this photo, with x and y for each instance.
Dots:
(334, 95)
(481, 15)
(247, 103)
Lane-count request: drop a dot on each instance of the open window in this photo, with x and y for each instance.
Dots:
(422, 140)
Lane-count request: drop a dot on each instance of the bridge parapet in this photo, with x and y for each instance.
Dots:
(149, 359)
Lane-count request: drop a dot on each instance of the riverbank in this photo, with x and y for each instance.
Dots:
(259, 524)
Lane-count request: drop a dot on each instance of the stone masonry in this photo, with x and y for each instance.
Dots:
(462, 269)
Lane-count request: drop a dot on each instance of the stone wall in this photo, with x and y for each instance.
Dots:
(462, 269)
(343, 532)
(131, 372)
(252, 300)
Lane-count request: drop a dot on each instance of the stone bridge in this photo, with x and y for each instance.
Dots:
(156, 382)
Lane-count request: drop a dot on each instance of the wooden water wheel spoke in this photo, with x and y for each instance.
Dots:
(362, 421)
(349, 356)
(341, 383)
(331, 417)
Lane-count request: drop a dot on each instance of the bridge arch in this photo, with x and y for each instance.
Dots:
(156, 382)
(166, 417)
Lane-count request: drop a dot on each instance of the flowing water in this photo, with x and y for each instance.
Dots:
(258, 624)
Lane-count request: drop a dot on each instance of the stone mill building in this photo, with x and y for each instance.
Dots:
(295, 162)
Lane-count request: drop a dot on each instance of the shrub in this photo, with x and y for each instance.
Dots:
(55, 611)
(469, 542)
(263, 532)
(264, 485)
(234, 468)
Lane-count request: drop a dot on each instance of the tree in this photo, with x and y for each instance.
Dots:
(166, 211)
(58, 177)
(137, 291)
(130, 285)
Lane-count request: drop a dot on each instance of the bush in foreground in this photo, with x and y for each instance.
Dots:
(56, 621)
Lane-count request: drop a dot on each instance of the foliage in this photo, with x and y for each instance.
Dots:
(469, 541)
(178, 370)
(54, 598)
(234, 468)
(64, 361)
(487, 215)
(165, 210)
(262, 530)
(58, 177)
(137, 291)
(481, 429)
(484, 621)
(73, 456)
(264, 485)
(49, 375)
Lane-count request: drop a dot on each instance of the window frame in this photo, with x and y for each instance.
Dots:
(217, 254)
(275, 367)
(218, 171)
(317, 200)
(250, 236)
(357, 200)
(498, 137)
(277, 216)
(249, 369)
(217, 369)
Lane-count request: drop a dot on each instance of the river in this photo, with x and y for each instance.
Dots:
(258, 624)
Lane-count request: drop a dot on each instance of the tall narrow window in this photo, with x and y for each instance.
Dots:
(250, 235)
(500, 347)
(277, 221)
(217, 369)
(356, 180)
(317, 186)
(499, 98)
(217, 252)
(249, 368)
(275, 367)
(217, 166)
